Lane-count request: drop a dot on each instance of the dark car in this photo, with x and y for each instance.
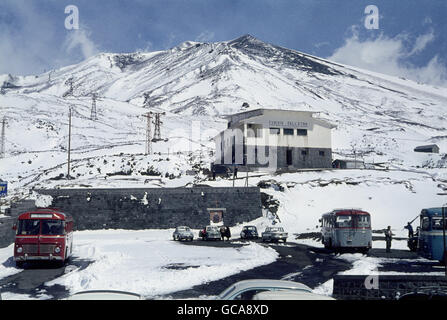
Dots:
(219, 170)
(249, 232)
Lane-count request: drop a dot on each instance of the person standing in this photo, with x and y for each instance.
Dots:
(410, 230)
(388, 238)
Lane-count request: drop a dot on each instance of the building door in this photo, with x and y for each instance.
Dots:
(289, 159)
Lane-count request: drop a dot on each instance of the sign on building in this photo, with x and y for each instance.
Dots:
(216, 215)
(3, 189)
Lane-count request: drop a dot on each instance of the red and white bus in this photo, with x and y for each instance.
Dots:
(43, 235)
(346, 229)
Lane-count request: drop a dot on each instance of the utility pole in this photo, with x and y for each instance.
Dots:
(443, 237)
(69, 142)
(148, 116)
(3, 139)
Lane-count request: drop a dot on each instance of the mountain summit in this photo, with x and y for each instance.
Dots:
(383, 115)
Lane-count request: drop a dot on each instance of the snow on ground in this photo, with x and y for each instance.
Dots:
(7, 265)
(391, 197)
(151, 264)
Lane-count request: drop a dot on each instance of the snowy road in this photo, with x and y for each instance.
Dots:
(149, 263)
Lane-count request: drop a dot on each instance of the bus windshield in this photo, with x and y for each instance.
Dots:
(28, 227)
(437, 223)
(52, 227)
(363, 221)
(32, 227)
(343, 221)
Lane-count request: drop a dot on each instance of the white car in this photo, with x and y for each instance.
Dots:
(247, 289)
(274, 234)
(183, 233)
(105, 295)
(289, 295)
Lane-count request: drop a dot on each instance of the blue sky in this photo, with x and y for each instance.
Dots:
(411, 38)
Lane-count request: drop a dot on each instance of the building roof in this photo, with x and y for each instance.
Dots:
(260, 111)
(427, 146)
(241, 116)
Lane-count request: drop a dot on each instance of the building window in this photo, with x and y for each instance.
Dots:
(288, 132)
(321, 153)
(301, 132)
(276, 131)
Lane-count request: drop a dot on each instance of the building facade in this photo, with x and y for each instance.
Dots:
(275, 139)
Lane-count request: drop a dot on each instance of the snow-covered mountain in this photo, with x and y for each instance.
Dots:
(379, 118)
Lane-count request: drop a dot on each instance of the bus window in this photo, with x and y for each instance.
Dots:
(343, 222)
(363, 221)
(437, 223)
(28, 227)
(52, 227)
(425, 223)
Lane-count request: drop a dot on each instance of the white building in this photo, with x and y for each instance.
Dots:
(278, 139)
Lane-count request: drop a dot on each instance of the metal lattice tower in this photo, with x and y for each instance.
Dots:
(69, 83)
(148, 116)
(157, 122)
(93, 114)
(3, 139)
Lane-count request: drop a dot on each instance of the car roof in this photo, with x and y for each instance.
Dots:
(266, 283)
(105, 295)
(290, 295)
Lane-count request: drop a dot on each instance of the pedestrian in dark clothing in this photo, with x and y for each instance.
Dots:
(235, 172)
(227, 233)
(388, 238)
(222, 233)
(410, 230)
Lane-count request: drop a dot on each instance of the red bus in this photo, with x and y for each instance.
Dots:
(43, 235)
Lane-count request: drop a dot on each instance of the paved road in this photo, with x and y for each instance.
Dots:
(309, 265)
(296, 262)
(31, 281)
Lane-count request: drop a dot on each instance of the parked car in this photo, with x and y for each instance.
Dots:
(219, 171)
(247, 289)
(183, 233)
(274, 234)
(105, 295)
(210, 233)
(249, 232)
(289, 295)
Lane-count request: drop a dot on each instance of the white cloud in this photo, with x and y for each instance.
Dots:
(390, 56)
(205, 36)
(33, 43)
(421, 42)
(80, 39)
